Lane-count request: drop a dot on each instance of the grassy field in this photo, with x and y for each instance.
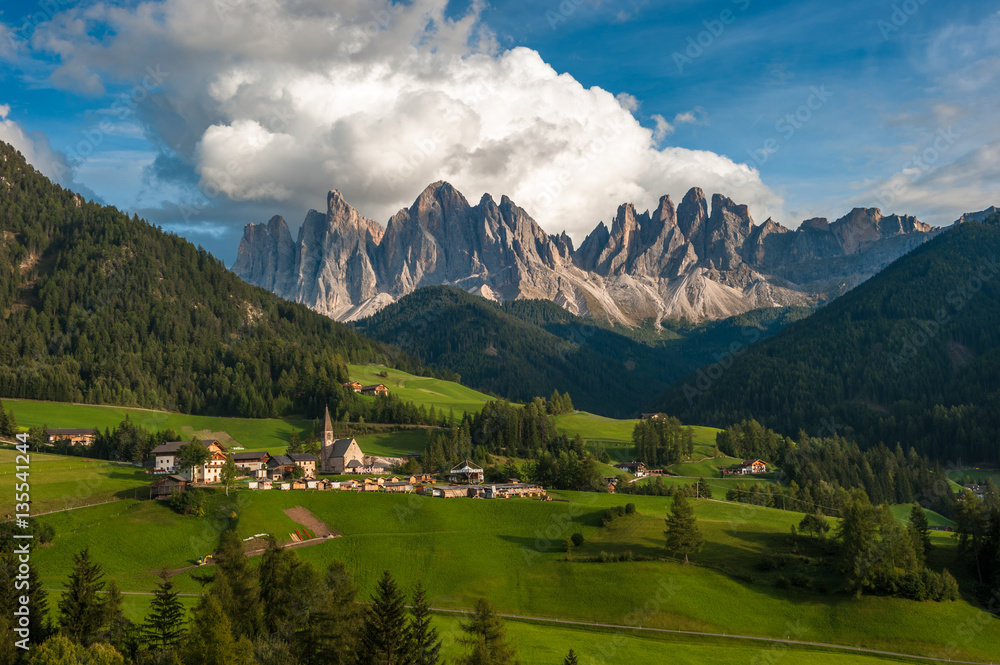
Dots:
(975, 476)
(58, 482)
(704, 468)
(270, 434)
(394, 444)
(510, 552)
(428, 391)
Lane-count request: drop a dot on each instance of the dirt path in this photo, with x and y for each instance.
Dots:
(298, 514)
(309, 521)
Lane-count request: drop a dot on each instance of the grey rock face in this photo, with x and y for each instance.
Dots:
(690, 261)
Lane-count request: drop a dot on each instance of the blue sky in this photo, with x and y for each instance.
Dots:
(203, 120)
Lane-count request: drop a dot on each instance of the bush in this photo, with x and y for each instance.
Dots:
(630, 509)
(45, 532)
(577, 539)
(568, 545)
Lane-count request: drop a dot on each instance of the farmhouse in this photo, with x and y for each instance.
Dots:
(252, 464)
(279, 466)
(352, 385)
(83, 437)
(167, 486)
(637, 469)
(375, 389)
(305, 461)
(165, 461)
(651, 416)
(752, 466)
(398, 486)
(467, 473)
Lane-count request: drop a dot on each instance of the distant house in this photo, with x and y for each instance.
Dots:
(305, 461)
(83, 437)
(401, 486)
(611, 483)
(165, 461)
(637, 469)
(751, 466)
(651, 416)
(353, 385)
(978, 490)
(450, 492)
(167, 486)
(374, 389)
(466, 473)
(280, 466)
(252, 464)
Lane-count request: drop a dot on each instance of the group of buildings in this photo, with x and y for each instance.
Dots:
(375, 389)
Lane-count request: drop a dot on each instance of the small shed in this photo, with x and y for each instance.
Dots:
(167, 486)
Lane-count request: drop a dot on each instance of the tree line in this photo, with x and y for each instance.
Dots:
(283, 612)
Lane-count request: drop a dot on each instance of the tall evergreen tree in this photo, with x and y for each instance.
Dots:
(423, 637)
(682, 531)
(164, 625)
(81, 610)
(237, 592)
(384, 638)
(210, 640)
(920, 532)
(487, 637)
(331, 635)
(571, 658)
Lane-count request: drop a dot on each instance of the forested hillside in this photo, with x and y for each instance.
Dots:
(99, 307)
(525, 348)
(911, 356)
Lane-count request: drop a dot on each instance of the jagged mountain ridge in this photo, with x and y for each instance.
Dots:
(691, 261)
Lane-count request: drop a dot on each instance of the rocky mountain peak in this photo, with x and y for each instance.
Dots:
(694, 260)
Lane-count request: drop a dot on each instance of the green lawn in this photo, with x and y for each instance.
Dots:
(442, 395)
(902, 513)
(394, 444)
(510, 552)
(975, 476)
(59, 482)
(705, 468)
(270, 434)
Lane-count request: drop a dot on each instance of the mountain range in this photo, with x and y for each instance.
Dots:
(694, 260)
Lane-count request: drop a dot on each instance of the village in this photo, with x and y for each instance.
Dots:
(260, 470)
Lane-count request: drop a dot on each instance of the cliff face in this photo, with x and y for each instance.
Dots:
(693, 261)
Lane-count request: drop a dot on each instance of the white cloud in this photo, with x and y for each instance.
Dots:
(35, 147)
(277, 102)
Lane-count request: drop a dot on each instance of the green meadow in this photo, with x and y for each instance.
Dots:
(511, 552)
(424, 390)
(58, 482)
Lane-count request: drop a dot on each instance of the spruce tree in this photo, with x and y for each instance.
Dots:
(423, 637)
(571, 658)
(920, 532)
(384, 636)
(81, 612)
(211, 641)
(682, 531)
(163, 627)
(238, 594)
(487, 635)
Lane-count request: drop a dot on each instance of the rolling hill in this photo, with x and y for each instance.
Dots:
(911, 356)
(524, 349)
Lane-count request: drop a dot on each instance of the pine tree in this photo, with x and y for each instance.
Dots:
(571, 658)
(81, 612)
(682, 531)
(384, 639)
(920, 532)
(210, 640)
(423, 637)
(237, 592)
(163, 627)
(331, 634)
(487, 635)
